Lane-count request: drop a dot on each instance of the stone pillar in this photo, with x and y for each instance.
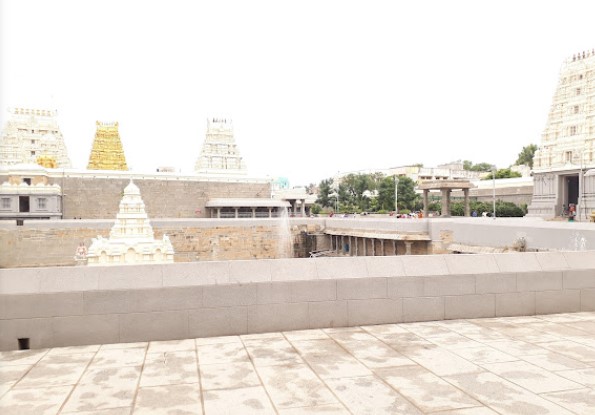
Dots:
(382, 247)
(253, 212)
(365, 243)
(408, 247)
(395, 247)
(236, 212)
(467, 207)
(303, 207)
(373, 247)
(270, 212)
(356, 247)
(218, 213)
(426, 204)
(445, 203)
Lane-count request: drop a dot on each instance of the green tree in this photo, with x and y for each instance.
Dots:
(468, 165)
(345, 199)
(407, 198)
(526, 155)
(356, 190)
(325, 191)
(386, 194)
(503, 174)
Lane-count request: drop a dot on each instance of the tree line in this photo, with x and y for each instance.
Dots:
(375, 192)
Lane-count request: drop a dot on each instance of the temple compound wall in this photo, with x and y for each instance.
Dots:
(53, 242)
(71, 306)
(89, 196)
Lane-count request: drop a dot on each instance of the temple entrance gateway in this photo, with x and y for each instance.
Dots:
(571, 190)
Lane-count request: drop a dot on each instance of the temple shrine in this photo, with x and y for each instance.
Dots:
(107, 152)
(219, 152)
(131, 239)
(30, 134)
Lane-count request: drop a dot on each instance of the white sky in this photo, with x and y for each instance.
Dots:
(313, 87)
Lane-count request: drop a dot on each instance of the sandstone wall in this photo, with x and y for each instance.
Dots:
(169, 197)
(52, 243)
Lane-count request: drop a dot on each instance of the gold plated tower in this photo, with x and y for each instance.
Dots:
(107, 152)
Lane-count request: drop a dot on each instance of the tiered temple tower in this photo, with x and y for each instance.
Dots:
(107, 152)
(568, 135)
(220, 153)
(567, 153)
(30, 134)
(131, 239)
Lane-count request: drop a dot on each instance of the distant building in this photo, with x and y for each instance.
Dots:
(220, 154)
(107, 152)
(30, 134)
(418, 173)
(561, 166)
(28, 195)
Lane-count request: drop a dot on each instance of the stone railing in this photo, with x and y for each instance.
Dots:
(88, 305)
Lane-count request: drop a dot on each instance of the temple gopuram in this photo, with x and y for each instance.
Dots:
(107, 152)
(219, 152)
(30, 134)
(564, 164)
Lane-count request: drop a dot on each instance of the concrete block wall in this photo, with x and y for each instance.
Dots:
(504, 232)
(86, 305)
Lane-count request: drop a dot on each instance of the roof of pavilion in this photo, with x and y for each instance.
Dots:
(238, 202)
(445, 184)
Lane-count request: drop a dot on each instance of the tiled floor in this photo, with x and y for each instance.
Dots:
(518, 365)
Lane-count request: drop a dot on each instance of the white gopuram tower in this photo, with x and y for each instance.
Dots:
(31, 134)
(220, 154)
(563, 175)
(131, 239)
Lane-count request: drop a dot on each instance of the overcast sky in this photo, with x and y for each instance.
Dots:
(313, 87)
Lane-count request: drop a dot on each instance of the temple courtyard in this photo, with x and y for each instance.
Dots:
(542, 364)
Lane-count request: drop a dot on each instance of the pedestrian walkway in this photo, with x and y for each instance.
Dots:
(516, 365)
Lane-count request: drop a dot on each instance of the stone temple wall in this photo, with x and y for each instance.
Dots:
(98, 197)
(53, 243)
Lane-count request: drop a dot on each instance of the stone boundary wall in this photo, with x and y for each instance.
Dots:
(89, 305)
(517, 194)
(53, 243)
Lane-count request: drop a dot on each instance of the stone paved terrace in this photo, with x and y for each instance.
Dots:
(542, 364)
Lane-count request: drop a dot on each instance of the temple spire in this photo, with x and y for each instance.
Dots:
(107, 152)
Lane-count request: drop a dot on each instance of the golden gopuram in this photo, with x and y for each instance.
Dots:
(107, 152)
